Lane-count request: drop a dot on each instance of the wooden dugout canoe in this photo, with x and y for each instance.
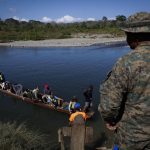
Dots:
(41, 104)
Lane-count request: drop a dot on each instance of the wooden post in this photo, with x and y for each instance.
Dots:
(60, 139)
(79, 134)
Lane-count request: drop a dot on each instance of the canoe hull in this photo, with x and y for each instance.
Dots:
(41, 104)
(34, 101)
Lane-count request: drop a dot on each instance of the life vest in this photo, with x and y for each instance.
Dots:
(72, 105)
(72, 117)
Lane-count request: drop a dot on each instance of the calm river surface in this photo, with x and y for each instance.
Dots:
(67, 70)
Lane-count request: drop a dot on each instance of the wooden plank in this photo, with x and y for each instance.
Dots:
(66, 131)
(61, 139)
(89, 135)
(103, 148)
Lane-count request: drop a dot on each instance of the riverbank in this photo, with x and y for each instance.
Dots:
(71, 42)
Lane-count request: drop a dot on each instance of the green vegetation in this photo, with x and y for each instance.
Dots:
(17, 137)
(11, 29)
(121, 18)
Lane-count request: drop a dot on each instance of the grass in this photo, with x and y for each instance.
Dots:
(18, 137)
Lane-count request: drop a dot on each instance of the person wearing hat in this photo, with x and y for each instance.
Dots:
(125, 95)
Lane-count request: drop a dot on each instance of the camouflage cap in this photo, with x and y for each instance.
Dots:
(139, 22)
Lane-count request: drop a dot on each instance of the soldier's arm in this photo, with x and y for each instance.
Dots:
(112, 94)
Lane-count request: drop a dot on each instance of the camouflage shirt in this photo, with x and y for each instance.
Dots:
(125, 97)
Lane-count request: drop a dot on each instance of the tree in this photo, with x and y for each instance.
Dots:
(121, 18)
(104, 18)
(11, 21)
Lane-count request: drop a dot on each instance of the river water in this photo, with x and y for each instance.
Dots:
(68, 71)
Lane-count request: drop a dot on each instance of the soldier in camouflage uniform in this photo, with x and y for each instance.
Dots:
(125, 94)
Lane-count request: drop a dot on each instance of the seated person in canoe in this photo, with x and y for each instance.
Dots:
(73, 104)
(53, 100)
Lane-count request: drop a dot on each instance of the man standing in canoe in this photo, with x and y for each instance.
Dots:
(125, 95)
(88, 94)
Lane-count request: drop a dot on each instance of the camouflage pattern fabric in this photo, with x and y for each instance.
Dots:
(139, 22)
(125, 98)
